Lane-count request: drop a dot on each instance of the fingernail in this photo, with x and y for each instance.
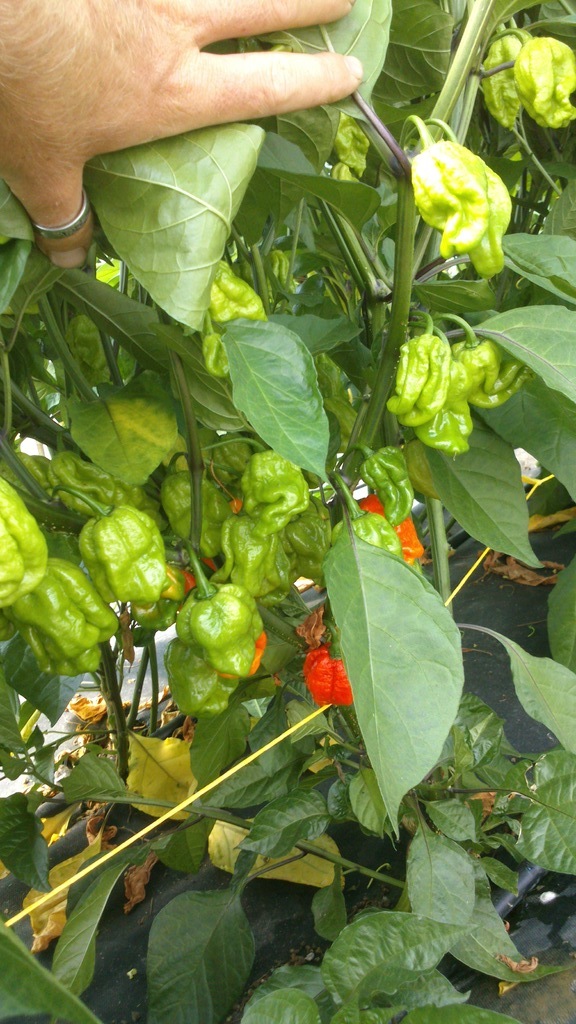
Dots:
(355, 67)
(69, 259)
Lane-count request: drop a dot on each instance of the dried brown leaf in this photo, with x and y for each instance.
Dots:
(537, 522)
(95, 832)
(519, 966)
(127, 637)
(510, 569)
(312, 629)
(135, 881)
(487, 799)
(90, 711)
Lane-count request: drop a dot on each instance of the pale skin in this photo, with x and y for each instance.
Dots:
(91, 76)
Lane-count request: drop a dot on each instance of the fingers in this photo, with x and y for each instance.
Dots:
(242, 86)
(229, 18)
(61, 219)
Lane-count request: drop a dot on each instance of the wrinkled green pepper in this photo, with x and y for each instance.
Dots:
(422, 379)
(228, 459)
(196, 687)
(124, 554)
(66, 469)
(449, 429)
(458, 194)
(23, 550)
(175, 495)
(386, 473)
(351, 144)
(232, 298)
(259, 564)
(63, 620)
(275, 491)
(545, 75)
(85, 344)
(490, 380)
(500, 92)
(223, 628)
(373, 529)
(306, 541)
(215, 357)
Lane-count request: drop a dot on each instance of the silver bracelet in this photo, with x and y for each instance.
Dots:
(65, 230)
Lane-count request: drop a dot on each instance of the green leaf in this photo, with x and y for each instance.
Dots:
(23, 849)
(318, 334)
(402, 651)
(454, 818)
(26, 987)
(548, 835)
(130, 432)
(543, 337)
(440, 879)
(543, 422)
(378, 952)
(457, 1015)
(38, 277)
(185, 850)
(312, 130)
(199, 957)
(419, 51)
(547, 260)
(75, 952)
(13, 259)
(546, 690)
(430, 987)
(367, 803)
(498, 873)
(93, 778)
(273, 775)
(130, 323)
(276, 828)
(363, 33)
(485, 938)
(218, 742)
(329, 908)
(167, 208)
(281, 1006)
(14, 220)
(48, 693)
(275, 386)
(305, 978)
(562, 217)
(483, 490)
(212, 397)
(456, 296)
(9, 708)
(562, 617)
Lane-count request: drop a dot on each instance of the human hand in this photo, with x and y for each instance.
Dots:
(79, 79)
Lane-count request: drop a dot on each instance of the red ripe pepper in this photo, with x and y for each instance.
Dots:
(411, 546)
(236, 505)
(326, 677)
(260, 648)
(190, 579)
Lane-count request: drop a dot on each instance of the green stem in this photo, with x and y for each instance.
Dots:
(195, 463)
(110, 359)
(260, 274)
(116, 716)
(36, 414)
(140, 677)
(19, 469)
(204, 589)
(96, 507)
(153, 725)
(439, 547)
(280, 628)
(295, 239)
(522, 139)
(69, 363)
(465, 58)
(5, 364)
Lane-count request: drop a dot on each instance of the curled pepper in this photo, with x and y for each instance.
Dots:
(351, 144)
(24, 550)
(66, 469)
(422, 379)
(500, 92)
(196, 687)
(85, 344)
(124, 554)
(175, 495)
(231, 298)
(326, 677)
(406, 531)
(545, 75)
(385, 471)
(223, 628)
(159, 615)
(275, 491)
(306, 541)
(215, 357)
(373, 529)
(259, 564)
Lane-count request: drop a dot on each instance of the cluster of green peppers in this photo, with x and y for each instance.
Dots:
(436, 385)
(542, 80)
(231, 298)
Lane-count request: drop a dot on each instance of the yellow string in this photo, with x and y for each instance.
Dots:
(482, 555)
(110, 854)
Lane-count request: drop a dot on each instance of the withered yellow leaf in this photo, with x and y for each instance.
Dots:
(56, 826)
(48, 920)
(160, 770)
(310, 870)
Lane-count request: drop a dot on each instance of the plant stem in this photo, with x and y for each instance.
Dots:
(19, 469)
(195, 463)
(465, 58)
(69, 363)
(116, 716)
(295, 239)
(260, 275)
(36, 414)
(280, 628)
(439, 547)
(522, 139)
(5, 363)
(154, 679)
(140, 677)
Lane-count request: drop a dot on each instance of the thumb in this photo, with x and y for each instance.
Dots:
(61, 217)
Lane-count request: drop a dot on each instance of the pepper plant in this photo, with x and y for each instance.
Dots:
(378, 294)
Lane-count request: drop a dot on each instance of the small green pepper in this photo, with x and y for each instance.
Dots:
(448, 430)
(85, 344)
(373, 529)
(157, 616)
(196, 687)
(66, 469)
(545, 75)
(351, 144)
(231, 298)
(385, 471)
(306, 541)
(24, 552)
(176, 497)
(124, 554)
(422, 379)
(259, 564)
(500, 92)
(222, 628)
(215, 357)
(275, 492)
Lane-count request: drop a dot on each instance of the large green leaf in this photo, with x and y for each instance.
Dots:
(402, 653)
(26, 987)
(546, 689)
(483, 490)
(379, 952)
(457, 1015)
(363, 33)
(459, 297)
(305, 978)
(453, 818)
(548, 835)
(75, 952)
(485, 939)
(329, 908)
(219, 741)
(562, 217)
(48, 693)
(14, 221)
(199, 956)
(129, 432)
(543, 337)
(23, 850)
(543, 422)
(313, 131)
(282, 1006)
(419, 51)
(547, 260)
(440, 879)
(129, 322)
(317, 333)
(13, 259)
(283, 822)
(185, 850)
(167, 208)
(93, 778)
(562, 617)
(275, 386)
